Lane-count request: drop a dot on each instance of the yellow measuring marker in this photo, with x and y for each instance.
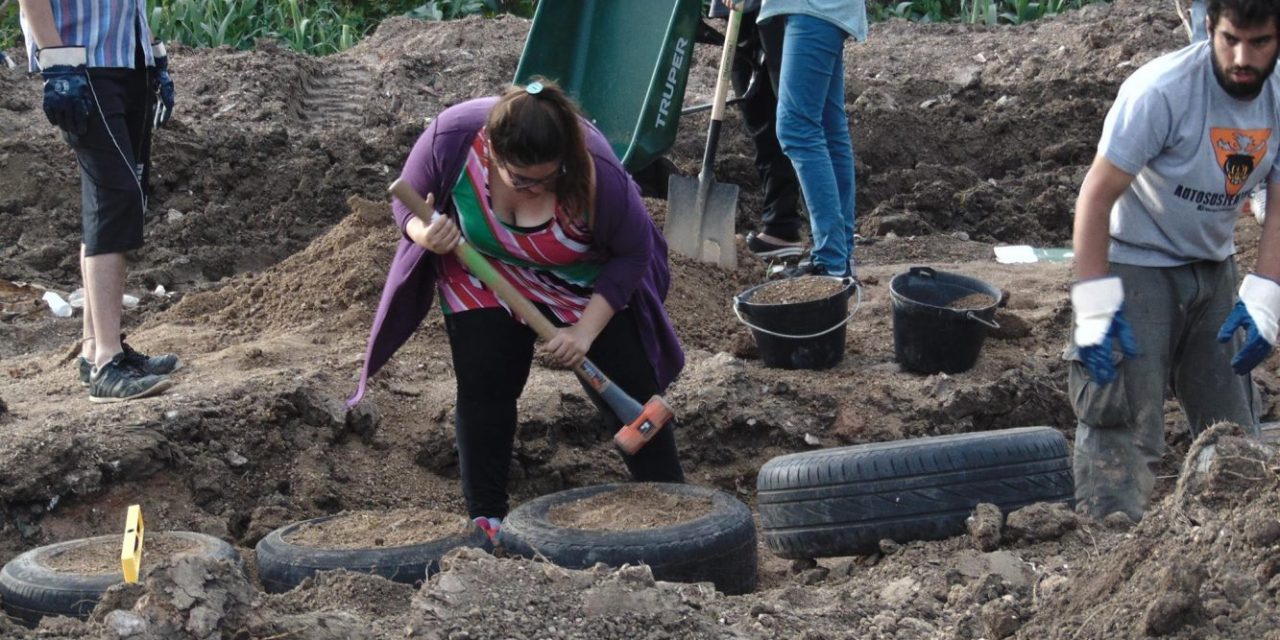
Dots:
(131, 550)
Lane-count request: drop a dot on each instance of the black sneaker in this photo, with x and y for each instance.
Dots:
(806, 268)
(769, 249)
(155, 365)
(118, 380)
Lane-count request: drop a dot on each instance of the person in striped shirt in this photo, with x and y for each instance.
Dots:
(106, 86)
(536, 189)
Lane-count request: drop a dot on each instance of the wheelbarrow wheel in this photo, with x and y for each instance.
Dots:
(653, 178)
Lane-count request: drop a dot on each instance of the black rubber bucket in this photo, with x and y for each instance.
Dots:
(800, 335)
(929, 336)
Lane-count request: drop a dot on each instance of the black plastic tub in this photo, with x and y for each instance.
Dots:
(928, 335)
(800, 335)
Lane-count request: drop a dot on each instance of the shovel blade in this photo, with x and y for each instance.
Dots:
(700, 222)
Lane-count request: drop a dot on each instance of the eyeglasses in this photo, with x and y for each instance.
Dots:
(525, 182)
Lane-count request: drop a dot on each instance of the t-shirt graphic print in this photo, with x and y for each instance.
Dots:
(1239, 151)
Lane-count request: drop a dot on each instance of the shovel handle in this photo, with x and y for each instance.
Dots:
(707, 174)
(725, 77)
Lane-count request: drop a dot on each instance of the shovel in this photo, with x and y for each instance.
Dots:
(701, 212)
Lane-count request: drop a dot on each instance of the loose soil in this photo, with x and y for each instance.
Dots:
(270, 233)
(366, 529)
(972, 301)
(629, 508)
(796, 290)
(103, 556)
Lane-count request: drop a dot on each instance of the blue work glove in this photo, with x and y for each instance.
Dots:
(66, 87)
(1098, 321)
(1256, 312)
(164, 86)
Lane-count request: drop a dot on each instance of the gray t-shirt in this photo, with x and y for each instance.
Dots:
(1196, 153)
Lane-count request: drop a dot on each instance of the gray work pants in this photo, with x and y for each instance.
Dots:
(1175, 313)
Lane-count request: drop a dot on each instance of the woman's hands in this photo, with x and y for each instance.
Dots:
(441, 235)
(570, 345)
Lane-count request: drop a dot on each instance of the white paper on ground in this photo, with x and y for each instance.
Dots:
(1015, 254)
(57, 305)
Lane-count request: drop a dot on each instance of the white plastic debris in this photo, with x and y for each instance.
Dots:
(57, 305)
(76, 299)
(129, 301)
(160, 291)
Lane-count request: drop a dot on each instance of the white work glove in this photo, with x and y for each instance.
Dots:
(1257, 312)
(1097, 306)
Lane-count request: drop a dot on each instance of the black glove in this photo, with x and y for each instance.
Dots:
(66, 87)
(164, 86)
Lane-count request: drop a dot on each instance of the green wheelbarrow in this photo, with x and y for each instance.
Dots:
(625, 62)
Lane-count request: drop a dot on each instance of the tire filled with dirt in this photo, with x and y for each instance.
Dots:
(404, 546)
(684, 533)
(844, 501)
(68, 578)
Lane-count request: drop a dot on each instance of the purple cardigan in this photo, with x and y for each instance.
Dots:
(635, 273)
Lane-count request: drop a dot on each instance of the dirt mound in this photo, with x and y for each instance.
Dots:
(270, 232)
(1202, 562)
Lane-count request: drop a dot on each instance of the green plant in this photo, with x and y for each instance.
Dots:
(10, 32)
(989, 12)
(316, 27)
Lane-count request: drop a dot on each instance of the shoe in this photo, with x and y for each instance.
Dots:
(155, 365)
(118, 380)
(770, 249)
(807, 268)
(490, 526)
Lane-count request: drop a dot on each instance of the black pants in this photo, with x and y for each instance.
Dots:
(759, 54)
(492, 354)
(114, 154)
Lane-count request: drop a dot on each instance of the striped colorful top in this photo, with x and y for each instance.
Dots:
(552, 264)
(107, 29)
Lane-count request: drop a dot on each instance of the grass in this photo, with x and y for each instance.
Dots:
(988, 12)
(316, 27)
(321, 27)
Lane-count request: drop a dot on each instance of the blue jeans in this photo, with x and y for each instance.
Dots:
(814, 133)
(1198, 13)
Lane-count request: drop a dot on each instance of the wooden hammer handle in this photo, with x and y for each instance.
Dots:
(624, 407)
(479, 265)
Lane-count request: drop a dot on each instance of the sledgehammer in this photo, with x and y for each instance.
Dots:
(640, 423)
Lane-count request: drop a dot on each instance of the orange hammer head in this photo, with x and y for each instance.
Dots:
(653, 417)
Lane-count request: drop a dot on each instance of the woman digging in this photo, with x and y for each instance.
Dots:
(538, 191)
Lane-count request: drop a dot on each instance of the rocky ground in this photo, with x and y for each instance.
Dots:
(270, 235)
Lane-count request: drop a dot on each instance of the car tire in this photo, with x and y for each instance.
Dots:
(844, 501)
(30, 589)
(718, 547)
(283, 566)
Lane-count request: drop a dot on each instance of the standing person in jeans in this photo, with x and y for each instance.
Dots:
(106, 86)
(1189, 135)
(538, 191)
(756, 67)
(812, 126)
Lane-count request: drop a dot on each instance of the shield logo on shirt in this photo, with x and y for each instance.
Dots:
(1238, 152)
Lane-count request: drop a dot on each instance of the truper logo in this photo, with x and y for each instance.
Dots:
(1239, 152)
(673, 76)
